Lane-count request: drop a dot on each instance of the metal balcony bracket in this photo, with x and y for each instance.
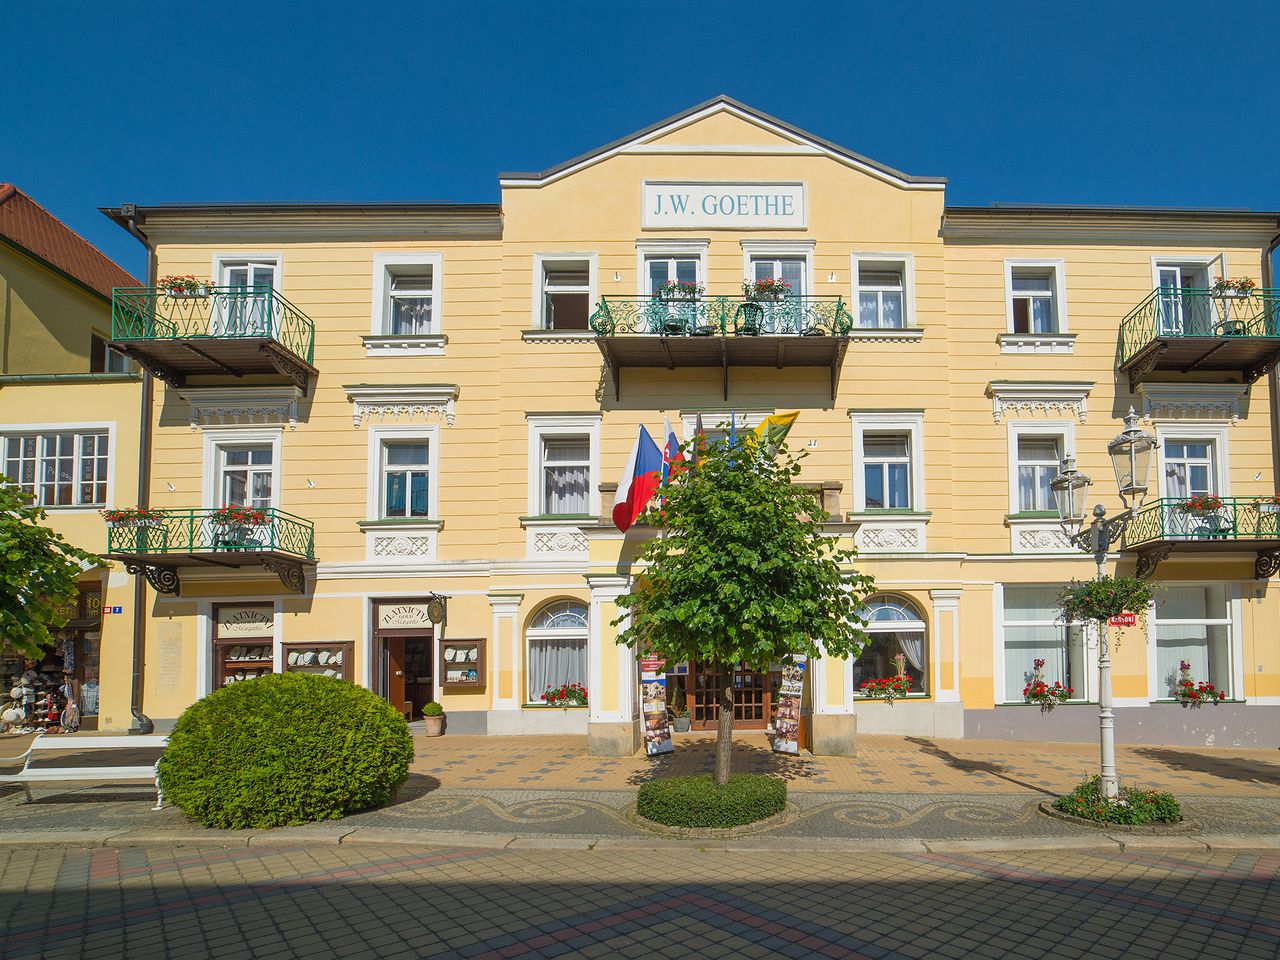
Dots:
(781, 352)
(158, 370)
(291, 573)
(287, 365)
(1267, 564)
(163, 579)
(724, 367)
(666, 352)
(1150, 559)
(1253, 374)
(1146, 364)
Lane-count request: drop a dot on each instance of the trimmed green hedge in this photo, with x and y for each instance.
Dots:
(285, 749)
(1134, 807)
(698, 802)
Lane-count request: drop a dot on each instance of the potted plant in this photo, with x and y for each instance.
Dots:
(566, 695)
(432, 719)
(143, 525)
(1192, 694)
(679, 712)
(232, 525)
(1040, 692)
(679, 291)
(1232, 289)
(1268, 504)
(765, 291)
(133, 517)
(184, 287)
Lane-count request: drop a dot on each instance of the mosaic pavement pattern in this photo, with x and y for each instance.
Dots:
(338, 902)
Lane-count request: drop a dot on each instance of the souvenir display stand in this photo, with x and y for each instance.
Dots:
(326, 659)
(462, 664)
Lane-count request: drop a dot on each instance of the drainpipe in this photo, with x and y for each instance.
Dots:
(142, 723)
(1273, 378)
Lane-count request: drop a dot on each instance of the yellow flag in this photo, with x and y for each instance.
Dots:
(773, 430)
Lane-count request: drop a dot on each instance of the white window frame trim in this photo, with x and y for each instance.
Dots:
(668, 248)
(780, 249)
(911, 424)
(222, 259)
(380, 433)
(1058, 267)
(526, 695)
(1235, 640)
(997, 668)
(216, 439)
(417, 345)
(1205, 260)
(540, 260)
(908, 262)
(1066, 429)
(743, 421)
(899, 626)
(1212, 430)
(15, 429)
(553, 426)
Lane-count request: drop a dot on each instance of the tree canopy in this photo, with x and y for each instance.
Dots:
(38, 573)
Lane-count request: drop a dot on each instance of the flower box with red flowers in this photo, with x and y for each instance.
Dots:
(566, 695)
(771, 290)
(239, 517)
(1203, 503)
(886, 688)
(133, 517)
(184, 287)
(1190, 693)
(1046, 695)
(679, 290)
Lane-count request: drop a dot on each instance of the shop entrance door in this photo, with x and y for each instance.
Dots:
(418, 686)
(751, 698)
(393, 648)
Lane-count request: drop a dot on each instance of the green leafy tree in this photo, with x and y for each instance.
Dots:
(39, 571)
(742, 572)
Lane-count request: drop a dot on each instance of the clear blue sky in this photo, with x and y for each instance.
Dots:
(1119, 102)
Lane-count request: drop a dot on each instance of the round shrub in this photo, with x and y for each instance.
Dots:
(285, 749)
(698, 802)
(1134, 807)
(432, 709)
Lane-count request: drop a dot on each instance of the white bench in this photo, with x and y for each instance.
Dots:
(44, 743)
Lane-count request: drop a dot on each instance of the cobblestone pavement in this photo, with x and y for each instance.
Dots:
(379, 901)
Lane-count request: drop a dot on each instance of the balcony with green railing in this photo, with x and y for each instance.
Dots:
(721, 331)
(166, 540)
(1221, 332)
(1206, 525)
(217, 331)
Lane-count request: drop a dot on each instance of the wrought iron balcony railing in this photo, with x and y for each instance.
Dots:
(169, 538)
(724, 316)
(217, 330)
(1249, 519)
(1183, 314)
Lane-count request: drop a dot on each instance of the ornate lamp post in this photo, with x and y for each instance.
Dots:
(1131, 458)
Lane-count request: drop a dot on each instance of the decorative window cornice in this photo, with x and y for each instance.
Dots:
(248, 405)
(1176, 400)
(1011, 397)
(401, 400)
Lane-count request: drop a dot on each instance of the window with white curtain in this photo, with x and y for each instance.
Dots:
(1032, 631)
(880, 296)
(566, 475)
(1193, 623)
(557, 647)
(1033, 300)
(895, 627)
(1189, 468)
(245, 476)
(788, 269)
(1039, 459)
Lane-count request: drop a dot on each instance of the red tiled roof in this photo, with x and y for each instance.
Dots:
(26, 224)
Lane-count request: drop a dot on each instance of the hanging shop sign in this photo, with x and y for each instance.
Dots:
(245, 622)
(728, 205)
(786, 723)
(653, 707)
(401, 616)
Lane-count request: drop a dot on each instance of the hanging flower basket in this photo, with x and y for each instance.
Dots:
(1046, 695)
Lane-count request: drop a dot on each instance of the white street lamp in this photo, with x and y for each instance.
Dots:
(1130, 454)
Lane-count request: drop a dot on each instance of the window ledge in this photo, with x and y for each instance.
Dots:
(860, 698)
(557, 336)
(887, 334)
(426, 345)
(854, 516)
(1037, 342)
(554, 706)
(1032, 515)
(419, 523)
(559, 519)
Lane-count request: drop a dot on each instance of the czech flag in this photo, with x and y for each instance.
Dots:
(672, 457)
(640, 480)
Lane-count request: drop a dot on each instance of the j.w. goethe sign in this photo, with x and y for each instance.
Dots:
(730, 205)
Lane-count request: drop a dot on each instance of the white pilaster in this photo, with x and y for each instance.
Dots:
(606, 590)
(503, 652)
(946, 601)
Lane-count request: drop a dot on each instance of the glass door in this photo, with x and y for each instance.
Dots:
(247, 308)
(791, 271)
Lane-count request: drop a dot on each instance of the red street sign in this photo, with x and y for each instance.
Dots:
(1123, 620)
(650, 664)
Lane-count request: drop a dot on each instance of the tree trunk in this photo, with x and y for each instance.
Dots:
(724, 724)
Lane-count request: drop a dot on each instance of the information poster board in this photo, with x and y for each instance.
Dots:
(653, 707)
(786, 723)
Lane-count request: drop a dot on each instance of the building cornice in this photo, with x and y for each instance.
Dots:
(1085, 224)
(253, 405)
(1221, 401)
(405, 400)
(1031, 397)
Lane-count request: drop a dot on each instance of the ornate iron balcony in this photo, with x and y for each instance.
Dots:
(1235, 524)
(219, 330)
(1185, 330)
(155, 547)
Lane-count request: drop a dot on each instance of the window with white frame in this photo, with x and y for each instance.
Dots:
(1190, 467)
(1039, 461)
(557, 647)
(104, 358)
(1192, 625)
(1033, 299)
(897, 645)
(406, 479)
(886, 470)
(1032, 631)
(246, 475)
(566, 294)
(660, 269)
(881, 295)
(790, 270)
(245, 309)
(566, 475)
(410, 301)
(59, 469)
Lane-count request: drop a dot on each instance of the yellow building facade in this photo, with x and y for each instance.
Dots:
(423, 411)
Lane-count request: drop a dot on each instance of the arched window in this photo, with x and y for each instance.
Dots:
(557, 647)
(896, 631)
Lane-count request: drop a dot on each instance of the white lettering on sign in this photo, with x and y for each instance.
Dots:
(743, 205)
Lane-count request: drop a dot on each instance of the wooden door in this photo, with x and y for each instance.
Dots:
(751, 698)
(394, 647)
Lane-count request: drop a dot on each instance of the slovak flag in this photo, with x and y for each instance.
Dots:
(672, 457)
(640, 480)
